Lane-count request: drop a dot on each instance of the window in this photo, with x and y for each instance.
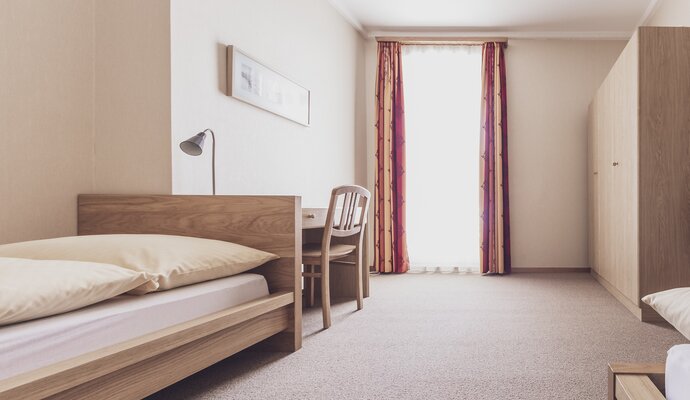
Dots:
(442, 117)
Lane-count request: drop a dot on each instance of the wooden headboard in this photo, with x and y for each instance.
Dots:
(269, 223)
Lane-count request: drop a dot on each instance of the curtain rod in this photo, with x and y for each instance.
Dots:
(442, 40)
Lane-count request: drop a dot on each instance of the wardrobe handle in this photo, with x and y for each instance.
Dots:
(615, 163)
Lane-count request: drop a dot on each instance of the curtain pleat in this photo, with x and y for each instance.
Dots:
(495, 219)
(389, 222)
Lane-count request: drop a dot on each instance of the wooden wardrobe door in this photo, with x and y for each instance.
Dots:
(593, 186)
(624, 167)
(616, 114)
(606, 192)
(594, 183)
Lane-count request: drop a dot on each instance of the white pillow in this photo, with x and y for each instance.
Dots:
(32, 289)
(171, 260)
(674, 306)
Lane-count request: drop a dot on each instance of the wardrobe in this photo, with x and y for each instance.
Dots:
(639, 170)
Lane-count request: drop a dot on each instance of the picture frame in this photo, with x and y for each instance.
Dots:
(256, 84)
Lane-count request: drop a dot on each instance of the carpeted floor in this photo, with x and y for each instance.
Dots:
(455, 336)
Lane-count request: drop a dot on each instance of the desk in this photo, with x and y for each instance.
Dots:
(342, 271)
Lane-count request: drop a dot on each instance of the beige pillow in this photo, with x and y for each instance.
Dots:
(674, 306)
(171, 260)
(32, 289)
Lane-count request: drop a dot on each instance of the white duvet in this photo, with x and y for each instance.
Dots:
(678, 373)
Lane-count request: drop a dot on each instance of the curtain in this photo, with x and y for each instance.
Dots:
(389, 222)
(495, 217)
(443, 88)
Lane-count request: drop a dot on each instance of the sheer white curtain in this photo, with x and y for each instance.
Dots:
(442, 123)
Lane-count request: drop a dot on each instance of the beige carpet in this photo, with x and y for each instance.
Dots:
(435, 336)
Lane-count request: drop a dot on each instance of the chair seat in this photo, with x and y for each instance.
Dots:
(312, 251)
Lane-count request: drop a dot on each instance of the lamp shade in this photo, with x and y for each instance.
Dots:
(194, 145)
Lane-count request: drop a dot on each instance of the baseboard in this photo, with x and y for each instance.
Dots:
(632, 307)
(643, 312)
(522, 270)
(519, 270)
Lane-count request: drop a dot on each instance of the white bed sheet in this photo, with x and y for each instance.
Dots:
(678, 373)
(33, 344)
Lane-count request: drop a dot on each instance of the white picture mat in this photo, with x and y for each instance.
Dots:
(260, 86)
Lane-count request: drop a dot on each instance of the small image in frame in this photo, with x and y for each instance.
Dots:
(255, 84)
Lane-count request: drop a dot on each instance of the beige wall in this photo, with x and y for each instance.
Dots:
(550, 85)
(671, 13)
(132, 97)
(46, 115)
(84, 107)
(259, 152)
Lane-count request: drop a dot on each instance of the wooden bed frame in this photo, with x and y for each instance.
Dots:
(142, 366)
(636, 381)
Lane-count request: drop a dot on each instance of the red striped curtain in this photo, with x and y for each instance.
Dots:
(495, 229)
(389, 223)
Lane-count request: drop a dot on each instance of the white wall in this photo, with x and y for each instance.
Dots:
(259, 152)
(369, 157)
(671, 13)
(550, 85)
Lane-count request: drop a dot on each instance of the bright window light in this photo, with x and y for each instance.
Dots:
(442, 86)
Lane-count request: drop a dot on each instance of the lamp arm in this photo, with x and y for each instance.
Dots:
(213, 159)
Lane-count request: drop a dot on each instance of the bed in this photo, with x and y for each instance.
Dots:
(212, 320)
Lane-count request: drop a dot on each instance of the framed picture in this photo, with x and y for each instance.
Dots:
(260, 86)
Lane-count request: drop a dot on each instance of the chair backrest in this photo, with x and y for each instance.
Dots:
(347, 212)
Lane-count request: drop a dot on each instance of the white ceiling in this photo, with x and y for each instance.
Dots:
(514, 18)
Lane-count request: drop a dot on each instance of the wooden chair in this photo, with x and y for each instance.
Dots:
(352, 220)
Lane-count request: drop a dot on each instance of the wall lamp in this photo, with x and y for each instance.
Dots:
(194, 146)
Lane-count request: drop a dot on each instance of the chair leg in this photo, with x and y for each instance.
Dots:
(312, 282)
(325, 294)
(358, 277)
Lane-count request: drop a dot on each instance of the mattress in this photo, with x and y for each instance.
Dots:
(34, 344)
(678, 373)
